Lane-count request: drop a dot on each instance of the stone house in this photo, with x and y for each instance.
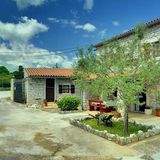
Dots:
(48, 84)
(152, 36)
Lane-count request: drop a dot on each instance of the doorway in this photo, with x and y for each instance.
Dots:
(141, 102)
(50, 90)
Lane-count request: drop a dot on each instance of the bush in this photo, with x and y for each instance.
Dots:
(68, 103)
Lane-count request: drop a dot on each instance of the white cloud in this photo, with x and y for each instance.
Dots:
(16, 48)
(88, 5)
(22, 4)
(115, 23)
(21, 32)
(86, 27)
(62, 21)
(102, 33)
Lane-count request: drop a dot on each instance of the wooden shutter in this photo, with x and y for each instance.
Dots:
(72, 89)
(60, 89)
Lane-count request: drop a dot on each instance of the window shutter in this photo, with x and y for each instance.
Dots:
(72, 89)
(60, 89)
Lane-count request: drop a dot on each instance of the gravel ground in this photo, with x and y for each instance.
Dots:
(29, 134)
(5, 94)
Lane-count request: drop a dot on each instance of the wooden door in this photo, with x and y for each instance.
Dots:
(50, 90)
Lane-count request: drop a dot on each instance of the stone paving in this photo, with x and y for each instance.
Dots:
(30, 134)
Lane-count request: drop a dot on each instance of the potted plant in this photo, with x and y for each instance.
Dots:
(148, 110)
(157, 111)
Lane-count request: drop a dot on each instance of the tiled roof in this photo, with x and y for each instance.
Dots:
(49, 72)
(130, 32)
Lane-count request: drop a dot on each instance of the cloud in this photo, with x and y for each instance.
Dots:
(31, 56)
(115, 23)
(88, 5)
(102, 33)
(62, 21)
(21, 32)
(16, 48)
(22, 4)
(86, 27)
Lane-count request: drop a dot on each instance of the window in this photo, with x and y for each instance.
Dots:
(156, 46)
(66, 89)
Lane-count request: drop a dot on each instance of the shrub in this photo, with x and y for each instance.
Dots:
(68, 103)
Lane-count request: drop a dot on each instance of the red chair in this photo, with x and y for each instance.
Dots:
(94, 104)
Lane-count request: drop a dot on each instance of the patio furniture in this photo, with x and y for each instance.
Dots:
(95, 104)
(98, 105)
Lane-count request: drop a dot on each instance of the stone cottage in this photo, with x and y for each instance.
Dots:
(152, 36)
(48, 84)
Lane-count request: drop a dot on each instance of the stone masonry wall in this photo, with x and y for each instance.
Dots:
(152, 35)
(35, 88)
(67, 81)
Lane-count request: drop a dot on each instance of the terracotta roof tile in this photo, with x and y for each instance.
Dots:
(49, 72)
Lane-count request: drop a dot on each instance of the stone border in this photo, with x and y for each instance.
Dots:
(67, 112)
(116, 138)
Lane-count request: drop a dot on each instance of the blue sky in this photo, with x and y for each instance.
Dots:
(40, 33)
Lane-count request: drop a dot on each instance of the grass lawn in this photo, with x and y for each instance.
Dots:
(117, 127)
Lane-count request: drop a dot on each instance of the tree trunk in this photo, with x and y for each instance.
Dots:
(126, 120)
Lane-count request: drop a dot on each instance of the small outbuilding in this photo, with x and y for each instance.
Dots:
(49, 84)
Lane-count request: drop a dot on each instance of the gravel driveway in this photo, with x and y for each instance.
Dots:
(30, 134)
(5, 94)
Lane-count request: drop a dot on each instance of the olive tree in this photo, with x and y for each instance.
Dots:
(130, 67)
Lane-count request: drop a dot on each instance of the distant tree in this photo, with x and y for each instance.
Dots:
(5, 77)
(4, 70)
(20, 73)
(56, 65)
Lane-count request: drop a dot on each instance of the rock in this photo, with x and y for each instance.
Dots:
(114, 137)
(96, 132)
(122, 140)
(35, 106)
(105, 134)
(156, 131)
(151, 133)
(134, 137)
(147, 134)
(128, 140)
(141, 135)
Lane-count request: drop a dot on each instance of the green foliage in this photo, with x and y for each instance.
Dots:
(68, 103)
(129, 67)
(117, 127)
(5, 77)
(5, 80)
(4, 70)
(20, 73)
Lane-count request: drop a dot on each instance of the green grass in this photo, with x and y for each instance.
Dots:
(117, 127)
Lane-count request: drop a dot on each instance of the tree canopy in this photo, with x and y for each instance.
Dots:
(130, 67)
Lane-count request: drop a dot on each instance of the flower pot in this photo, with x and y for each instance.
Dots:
(148, 111)
(158, 113)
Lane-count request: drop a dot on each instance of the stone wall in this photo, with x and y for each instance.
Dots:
(65, 81)
(34, 90)
(152, 35)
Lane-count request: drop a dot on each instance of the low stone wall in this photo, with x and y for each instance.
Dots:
(67, 112)
(116, 138)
